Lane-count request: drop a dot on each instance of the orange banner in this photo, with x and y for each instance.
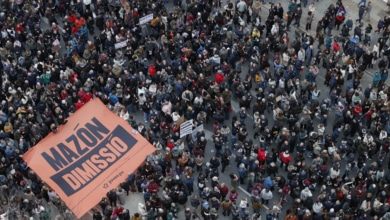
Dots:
(88, 156)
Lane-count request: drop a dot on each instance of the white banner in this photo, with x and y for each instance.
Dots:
(195, 131)
(121, 44)
(145, 19)
(186, 128)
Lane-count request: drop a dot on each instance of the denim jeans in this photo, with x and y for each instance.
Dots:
(146, 116)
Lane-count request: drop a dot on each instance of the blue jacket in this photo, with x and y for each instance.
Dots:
(9, 153)
(354, 39)
(242, 173)
(268, 183)
(359, 51)
(376, 78)
(179, 88)
(328, 42)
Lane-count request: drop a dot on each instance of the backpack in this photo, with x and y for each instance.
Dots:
(257, 78)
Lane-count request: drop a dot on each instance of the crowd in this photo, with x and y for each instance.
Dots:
(185, 64)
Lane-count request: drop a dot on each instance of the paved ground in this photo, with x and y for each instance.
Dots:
(379, 8)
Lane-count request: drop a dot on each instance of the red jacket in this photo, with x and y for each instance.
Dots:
(73, 76)
(340, 18)
(19, 28)
(219, 78)
(170, 145)
(152, 70)
(223, 190)
(261, 155)
(72, 18)
(176, 128)
(357, 110)
(75, 29)
(86, 97)
(79, 105)
(153, 188)
(118, 211)
(285, 158)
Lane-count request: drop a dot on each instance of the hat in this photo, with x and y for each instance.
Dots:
(215, 178)
(286, 153)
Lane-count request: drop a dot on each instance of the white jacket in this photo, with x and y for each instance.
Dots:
(320, 130)
(333, 173)
(306, 193)
(124, 115)
(275, 29)
(317, 207)
(266, 195)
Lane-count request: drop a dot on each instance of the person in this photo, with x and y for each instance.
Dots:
(97, 215)
(234, 180)
(298, 16)
(285, 159)
(241, 7)
(266, 195)
(136, 216)
(364, 2)
(226, 207)
(112, 197)
(233, 195)
(368, 11)
(309, 20)
(362, 10)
